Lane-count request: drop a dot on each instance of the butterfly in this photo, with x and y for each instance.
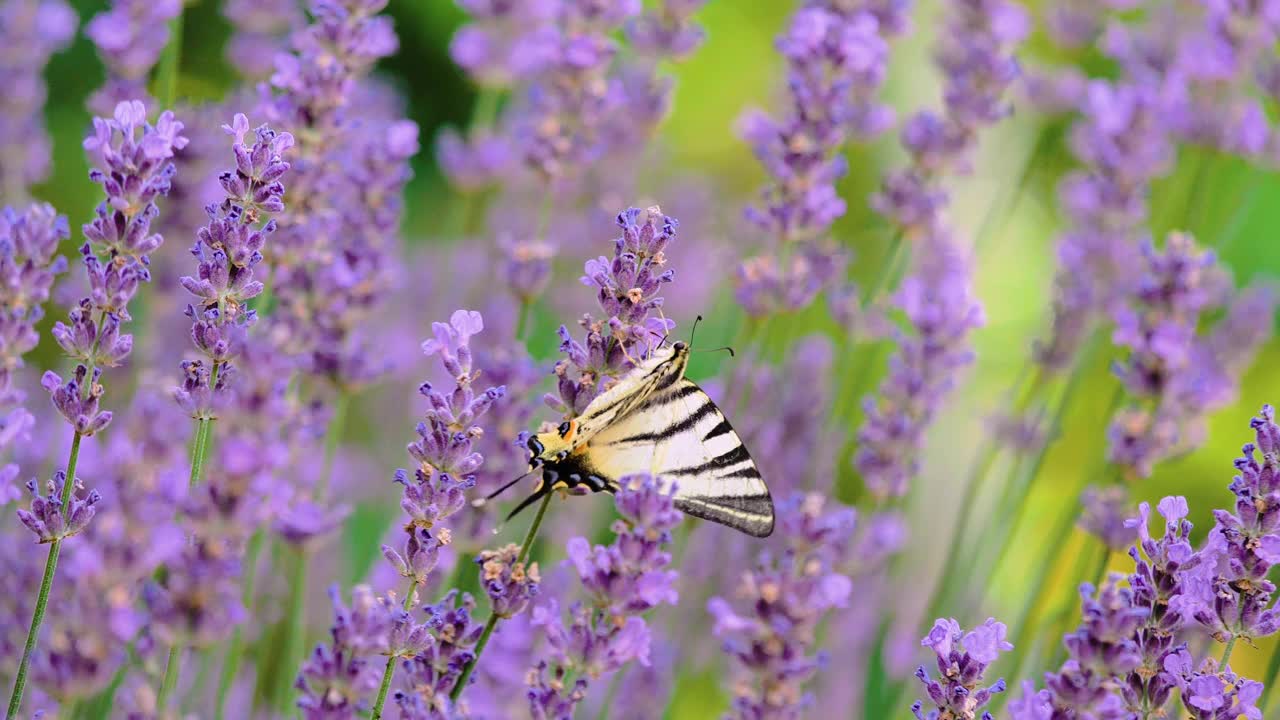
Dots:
(655, 420)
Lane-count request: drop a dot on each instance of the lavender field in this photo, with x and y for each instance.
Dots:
(639, 359)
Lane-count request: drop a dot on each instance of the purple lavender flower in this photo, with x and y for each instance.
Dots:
(30, 31)
(129, 36)
(46, 517)
(1121, 141)
(432, 673)
(624, 579)
(506, 42)
(667, 30)
(962, 660)
(627, 290)
(509, 582)
(836, 59)
(337, 680)
(474, 162)
(1212, 694)
(28, 266)
(772, 641)
(261, 32)
(940, 306)
(77, 404)
(226, 250)
(1105, 516)
(1232, 596)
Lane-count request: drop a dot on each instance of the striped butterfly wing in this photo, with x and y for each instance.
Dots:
(680, 435)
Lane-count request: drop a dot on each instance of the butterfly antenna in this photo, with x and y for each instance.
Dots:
(694, 330)
(480, 502)
(726, 348)
(543, 489)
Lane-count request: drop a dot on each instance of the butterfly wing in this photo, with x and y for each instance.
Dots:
(678, 433)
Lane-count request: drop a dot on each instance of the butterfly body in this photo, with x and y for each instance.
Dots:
(655, 420)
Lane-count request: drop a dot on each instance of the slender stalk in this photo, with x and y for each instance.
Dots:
(333, 438)
(169, 681)
(197, 686)
(492, 622)
(522, 320)
(204, 430)
(166, 80)
(1226, 652)
(294, 629)
(390, 669)
(46, 584)
(231, 664)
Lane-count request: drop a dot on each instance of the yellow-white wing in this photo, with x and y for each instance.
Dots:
(679, 434)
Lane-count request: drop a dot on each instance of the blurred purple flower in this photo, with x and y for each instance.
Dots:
(962, 660)
(509, 582)
(261, 32)
(942, 311)
(624, 579)
(1105, 516)
(130, 37)
(1212, 694)
(773, 639)
(30, 31)
(667, 31)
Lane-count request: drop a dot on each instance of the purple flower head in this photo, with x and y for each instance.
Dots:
(28, 265)
(767, 284)
(475, 162)
(47, 517)
(452, 341)
(942, 311)
(770, 634)
(129, 37)
(624, 580)
(1210, 693)
(509, 582)
(198, 602)
(1106, 511)
(667, 31)
(30, 31)
(339, 679)
(261, 32)
(627, 291)
(306, 523)
(434, 672)
(527, 267)
(77, 404)
(1229, 593)
(506, 42)
(962, 659)
(420, 554)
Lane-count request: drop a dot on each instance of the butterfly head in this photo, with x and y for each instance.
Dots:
(552, 447)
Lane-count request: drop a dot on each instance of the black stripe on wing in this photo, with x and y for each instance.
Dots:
(687, 423)
(752, 514)
(726, 459)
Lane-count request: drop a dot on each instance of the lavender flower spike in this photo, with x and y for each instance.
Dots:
(962, 660)
(30, 32)
(130, 36)
(626, 578)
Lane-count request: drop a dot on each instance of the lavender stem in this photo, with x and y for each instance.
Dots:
(390, 669)
(492, 622)
(167, 70)
(1226, 652)
(170, 679)
(231, 665)
(46, 583)
(204, 429)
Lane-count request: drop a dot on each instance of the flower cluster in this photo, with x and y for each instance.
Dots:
(624, 580)
(773, 639)
(337, 679)
(1177, 371)
(1123, 145)
(226, 251)
(130, 37)
(942, 311)
(962, 659)
(627, 289)
(431, 674)
(262, 28)
(1212, 694)
(1234, 599)
(837, 54)
(30, 31)
(132, 162)
(509, 582)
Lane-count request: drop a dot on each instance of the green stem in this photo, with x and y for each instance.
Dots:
(204, 430)
(1226, 652)
(1273, 673)
(169, 681)
(197, 686)
(295, 629)
(332, 439)
(390, 669)
(166, 82)
(46, 584)
(485, 110)
(523, 319)
(235, 648)
(492, 622)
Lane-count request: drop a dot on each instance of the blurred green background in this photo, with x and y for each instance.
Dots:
(1008, 205)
